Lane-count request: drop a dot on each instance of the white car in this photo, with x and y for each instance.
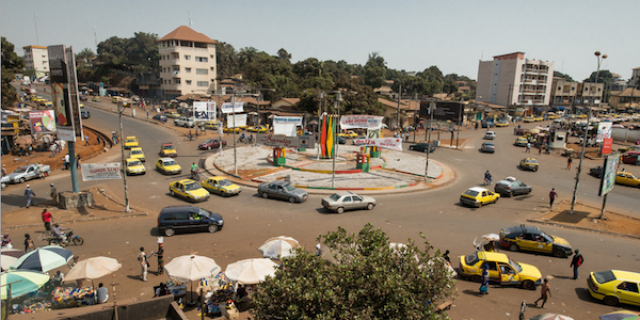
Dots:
(341, 201)
(489, 135)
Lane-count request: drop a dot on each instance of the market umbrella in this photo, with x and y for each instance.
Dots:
(550, 316)
(43, 259)
(279, 247)
(491, 237)
(620, 315)
(251, 271)
(22, 282)
(92, 268)
(190, 268)
(9, 256)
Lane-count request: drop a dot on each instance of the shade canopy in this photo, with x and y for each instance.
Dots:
(251, 271)
(93, 268)
(43, 259)
(9, 257)
(22, 282)
(279, 247)
(191, 267)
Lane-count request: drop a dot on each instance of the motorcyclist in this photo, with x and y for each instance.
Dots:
(194, 169)
(58, 232)
(487, 177)
(251, 138)
(242, 137)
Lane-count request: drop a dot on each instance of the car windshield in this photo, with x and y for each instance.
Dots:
(135, 163)
(471, 259)
(516, 266)
(289, 187)
(131, 140)
(533, 161)
(21, 170)
(136, 152)
(204, 212)
(604, 276)
(208, 141)
(472, 193)
(225, 183)
(191, 186)
(169, 147)
(170, 163)
(335, 197)
(488, 144)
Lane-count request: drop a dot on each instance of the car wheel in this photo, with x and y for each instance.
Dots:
(529, 285)
(169, 232)
(559, 253)
(212, 228)
(410, 148)
(208, 147)
(340, 210)
(513, 247)
(173, 194)
(511, 194)
(370, 206)
(265, 195)
(535, 169)
(529, 191)
(496, 201)
(611, 301)
(22, 180)
(292, 199)
(479, 204)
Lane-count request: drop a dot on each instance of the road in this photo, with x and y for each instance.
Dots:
(249, 220)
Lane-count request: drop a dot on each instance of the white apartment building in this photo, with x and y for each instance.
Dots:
(187, 63)
(36, 58)
(512, 80)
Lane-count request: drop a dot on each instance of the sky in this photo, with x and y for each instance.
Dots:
(410, 35)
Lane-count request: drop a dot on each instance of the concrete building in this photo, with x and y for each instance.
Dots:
(574, 95)
(36, 58)
(513, 80)
(187, 63)
(634, 81)
(625, 100)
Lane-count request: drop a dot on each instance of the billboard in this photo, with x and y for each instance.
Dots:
(604, 131)
(272, 140)
(286, 125)
(63, 104)
(100, 171)
(609, 169)
(236, 120)
(360, 121)
(42, 122)
(444, 110)
(228, 108)
(200, 110)
(389, 143)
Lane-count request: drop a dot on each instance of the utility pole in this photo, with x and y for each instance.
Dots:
(335, 140)
(399, 96)
(123, 161)
(432, 107)
(235, 151)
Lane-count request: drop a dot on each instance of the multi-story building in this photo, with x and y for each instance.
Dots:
(36, 58)
(572, 94)
(634, 81)
(511, 80)
(187, 63)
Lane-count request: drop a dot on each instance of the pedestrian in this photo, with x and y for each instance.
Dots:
(576, 262)
(160, 255)
(40, 170)
(46, 218)
(552, 197)
(569, 162)
(446, 256)
(318, 249)
(66, 165)
(113, 137)
(28, 243)
(528, 147)
(4, 170)
(98, 138)
(147, 114)
(515, 131)
(57, 279)
(53, 148)
(484, 286)
(29, 194)
(6, 242)
(86, 139)
(102, 294)
(540, 149)
(144, 264)
(545, 292)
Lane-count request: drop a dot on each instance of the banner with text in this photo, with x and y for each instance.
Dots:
(286, 125)
(42, 122)
(236, 120)
(360, 121)
(272, 140)
(389, 143)
(228, 108)
(101, 171)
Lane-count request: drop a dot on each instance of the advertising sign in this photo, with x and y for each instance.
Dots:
(604, 131)
(286, 125)
(272, 140)
(444, 110)
(360, 121)
(100, 171)
(42, 122)
(607, 144)
(609, 173)
(74, 93)
(211, 110)
(61, 96)
(389, 143)
(200, 110)
(228, 108)
(236, 120)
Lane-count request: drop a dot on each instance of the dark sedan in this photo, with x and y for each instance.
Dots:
(85, 114)
(596, 172)
(282, 190)
(511, 187)
(160, 117)
(342, 140)
(211, 144)
(422, 146)
(488, 147)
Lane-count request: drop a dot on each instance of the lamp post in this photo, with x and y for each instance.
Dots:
(124, 164)
(586, 131)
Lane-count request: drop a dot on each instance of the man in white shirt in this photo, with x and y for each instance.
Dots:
(102, 294)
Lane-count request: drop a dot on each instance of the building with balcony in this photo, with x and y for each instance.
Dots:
(36, 58)
(187, 63)
(634, 81)
(514, 81)
(626, 100)
(572, 95)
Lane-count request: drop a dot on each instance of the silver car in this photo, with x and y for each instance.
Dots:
(282, 190)
(341, 201)
(511, 187)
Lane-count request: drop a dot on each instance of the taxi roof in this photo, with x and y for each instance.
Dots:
(136, 149)
(132, 159)
(217, 178)
(185, 181)
(131, 137)
(493, 256)
(478, 189)
(626, 275)
(167, 159)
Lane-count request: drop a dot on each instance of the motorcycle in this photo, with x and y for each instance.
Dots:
(76, 239)
(195, 175)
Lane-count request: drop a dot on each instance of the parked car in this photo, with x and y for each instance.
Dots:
(96, 99)
(631, 157)
(477, 197)
(188, 190)
(173, 115)
(529, 164)
(168, 166)
(350, 134)
(282, 190)
(501, 268)
(422, 146)
(211, 144)
(84, 114)
(511, 187)
(159, 117)
(528, 238)
(221, 186)
(488, 147)
(24, 173)
(502, 123)
(489, 135)
(615, 286)
(186, 122)
(342, 140)
(521, 142)
(488, 124)
(259, 129)
(83, 98)
(188, 218)
(341, 201)
(596, 171)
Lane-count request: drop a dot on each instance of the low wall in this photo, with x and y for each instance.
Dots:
(625, 135)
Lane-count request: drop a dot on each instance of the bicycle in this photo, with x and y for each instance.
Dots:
(195, 175)
(486, 182)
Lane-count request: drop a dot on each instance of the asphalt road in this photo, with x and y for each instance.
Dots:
(249, 220)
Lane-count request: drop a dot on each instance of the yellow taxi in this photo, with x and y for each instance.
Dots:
(130, 142)
(581, 116)
(521, 142)
(96, 99)
(43, 102)
(231, 130)
(168, 150)
(137, 153)
(259, 129)
(529, 119)
(552, 116)
(48, 104)
(529, 238)
(501, 269)
(211, 124)
(168, 166)
(188, 190)
(348, 135)
(134, 167)
(477, 196)
(221, 186)
(627, 179)
(538, 118)
(529, 164)
(172, 115)
(502, 123)
(615, 286)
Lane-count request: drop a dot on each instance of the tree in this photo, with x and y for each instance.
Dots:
(558, 74)
(247, 55)
(370, 279)
(11, 63)
(227, 60)
(375, 71)
(142, 52)
(284, 55)
(85, 58)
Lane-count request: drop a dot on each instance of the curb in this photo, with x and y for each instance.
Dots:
(81, 220)
(583, 229)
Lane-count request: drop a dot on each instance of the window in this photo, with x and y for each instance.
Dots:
(187, 70)
(211, 56)
(629, 286)
(187, 57)
(211, 68)
(202, 71)
(202, 83)
(177, 81)
(202, 59)
(182, 216)
(188, 82)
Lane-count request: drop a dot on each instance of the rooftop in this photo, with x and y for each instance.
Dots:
(187, 34)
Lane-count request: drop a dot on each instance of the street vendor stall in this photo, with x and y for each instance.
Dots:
(218, 290)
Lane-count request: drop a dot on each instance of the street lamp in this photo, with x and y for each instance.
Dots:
(586, 131)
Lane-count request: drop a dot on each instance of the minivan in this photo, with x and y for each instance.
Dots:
(174, 219)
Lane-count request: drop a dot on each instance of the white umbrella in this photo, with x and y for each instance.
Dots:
(93, 268)
(279, 247)
(550, 316)
(191, 267)
(43, 259)
(491, 237)
(251, 271)
(9, 257)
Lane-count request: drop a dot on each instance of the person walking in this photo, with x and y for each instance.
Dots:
(46, 218)
(576, 262)
(4, 170)
(484, 287)
(160, 255)
(552, 197)
(86, 139)
(28, 243)
(528, 147)
(545, 292)
(144, 264)
(98, 138)
(29, 194)
(569, 162)
(54, 194)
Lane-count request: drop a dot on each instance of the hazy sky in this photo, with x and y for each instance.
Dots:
(409, 34)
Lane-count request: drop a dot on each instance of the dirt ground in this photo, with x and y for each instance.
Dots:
(589, 217)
